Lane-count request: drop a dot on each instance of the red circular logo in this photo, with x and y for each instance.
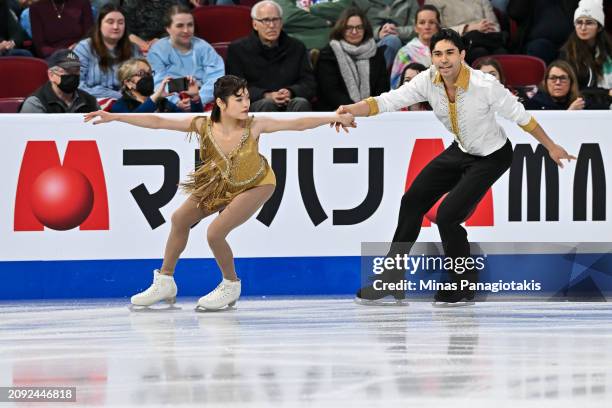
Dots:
(62, 198)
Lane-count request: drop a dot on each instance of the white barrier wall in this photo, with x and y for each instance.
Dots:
(342, 185)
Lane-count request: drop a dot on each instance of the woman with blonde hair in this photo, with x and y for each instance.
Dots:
(138, 94)
(558, 90)
(233, 177)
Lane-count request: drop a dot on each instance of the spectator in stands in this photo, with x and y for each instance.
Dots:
(426, 24)
(589, 51)
(351, 68)
(410, 71)
(11, 33)
(103, 52)
(138, 94)
(145, 20)
(276, 66)
(392, 21)
(311, 24)
(61, 94)
(558, 90)
(491, 66)
(183, 55)
(476, 22)
(58, 24)
(543, 26)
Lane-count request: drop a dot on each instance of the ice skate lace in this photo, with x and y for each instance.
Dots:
(221, 290)
(153, 289)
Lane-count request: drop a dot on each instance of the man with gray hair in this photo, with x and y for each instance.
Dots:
(61, 94)
(275, 65)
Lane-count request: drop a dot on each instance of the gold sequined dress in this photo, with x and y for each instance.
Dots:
(220, 177)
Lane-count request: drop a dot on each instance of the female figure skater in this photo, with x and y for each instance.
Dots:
(233, 177)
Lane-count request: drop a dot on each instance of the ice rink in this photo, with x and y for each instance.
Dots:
(316, 352)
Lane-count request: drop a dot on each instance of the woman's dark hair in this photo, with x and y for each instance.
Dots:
(429, 7)
(573, 93)
(495, 64)
(173, 11)
(123, 49)
(447, 34)
(582, 56)
(337, 32)
(414, 66)
(225, 87)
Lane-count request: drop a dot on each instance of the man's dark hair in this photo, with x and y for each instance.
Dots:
(447, 34)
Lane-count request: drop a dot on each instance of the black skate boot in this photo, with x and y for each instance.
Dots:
(459, 297)
(383, 291)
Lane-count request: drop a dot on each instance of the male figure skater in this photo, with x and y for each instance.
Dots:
(465, 101)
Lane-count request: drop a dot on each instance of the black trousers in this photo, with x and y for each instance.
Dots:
(466, 178)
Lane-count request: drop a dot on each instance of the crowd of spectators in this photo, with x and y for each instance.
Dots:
(301, 55)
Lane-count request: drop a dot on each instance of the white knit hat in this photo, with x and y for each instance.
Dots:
(592, 9)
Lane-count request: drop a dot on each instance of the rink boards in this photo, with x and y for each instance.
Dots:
(334, 191)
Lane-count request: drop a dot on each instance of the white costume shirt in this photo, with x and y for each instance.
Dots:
(471, 118)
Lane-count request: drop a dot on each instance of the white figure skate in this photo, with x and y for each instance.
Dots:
(225, 294)
(163, 288)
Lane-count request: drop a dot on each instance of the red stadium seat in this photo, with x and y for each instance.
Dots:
(221, 48)
(222, 23)
(10, 105)
(520, 70)
(20, 76)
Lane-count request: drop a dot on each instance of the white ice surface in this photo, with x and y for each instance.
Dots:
(321, 352)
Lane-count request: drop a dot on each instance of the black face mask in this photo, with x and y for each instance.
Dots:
(69, 83)
(145, 85)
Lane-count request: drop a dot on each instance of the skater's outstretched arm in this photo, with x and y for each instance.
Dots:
(263, 124)
(146, 121)
(555, 151)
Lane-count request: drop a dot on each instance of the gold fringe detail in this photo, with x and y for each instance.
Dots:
(211, 182)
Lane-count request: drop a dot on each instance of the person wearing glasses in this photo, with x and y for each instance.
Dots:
(138, 94)
(589, 51)
(276, 66)
(351, 68)
(558, 90)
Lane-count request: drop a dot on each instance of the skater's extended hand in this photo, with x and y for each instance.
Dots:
(557, 153)
(344, 120)
(104, 117)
